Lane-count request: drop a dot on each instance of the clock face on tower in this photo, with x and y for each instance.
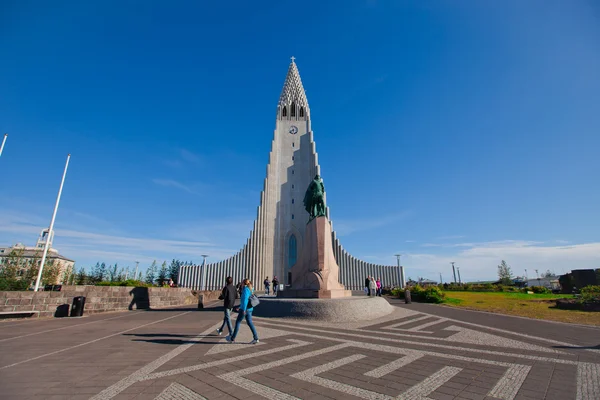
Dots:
(293, 130)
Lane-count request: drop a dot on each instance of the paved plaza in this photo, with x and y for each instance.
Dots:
(418, 352)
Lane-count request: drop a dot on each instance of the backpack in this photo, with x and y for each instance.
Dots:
(253, 301)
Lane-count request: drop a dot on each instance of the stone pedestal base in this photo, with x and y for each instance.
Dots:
(314, 294)
(316, 274)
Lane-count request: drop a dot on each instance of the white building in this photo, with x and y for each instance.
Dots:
(275, 240)
(26, 255)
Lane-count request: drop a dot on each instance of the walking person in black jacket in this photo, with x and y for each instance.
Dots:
(228, 295)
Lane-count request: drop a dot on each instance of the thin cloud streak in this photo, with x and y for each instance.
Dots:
(346, 227)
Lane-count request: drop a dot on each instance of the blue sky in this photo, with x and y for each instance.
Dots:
(446, 131)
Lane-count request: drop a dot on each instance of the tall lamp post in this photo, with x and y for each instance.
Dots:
(50, 230)
(453, 271)
(135, 276)
(458, 271)
(401, 280)
(203, 273)
(3, 141)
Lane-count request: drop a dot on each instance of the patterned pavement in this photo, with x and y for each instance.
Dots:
(411, 354)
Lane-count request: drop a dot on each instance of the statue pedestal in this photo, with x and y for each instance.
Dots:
(316, 273)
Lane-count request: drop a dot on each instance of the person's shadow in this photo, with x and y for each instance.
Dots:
(140, 298)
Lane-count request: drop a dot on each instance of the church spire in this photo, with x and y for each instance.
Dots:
(293, 102)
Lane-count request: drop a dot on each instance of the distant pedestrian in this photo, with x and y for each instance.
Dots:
(367, 285)
(267, 284)
(372, 287)
(378, 283)
(244, 312)
(275, 285)
(228, 295)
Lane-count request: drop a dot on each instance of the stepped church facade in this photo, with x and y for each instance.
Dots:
(275, 242)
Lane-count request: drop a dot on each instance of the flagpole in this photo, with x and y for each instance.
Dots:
(3, 141)
(50, 235)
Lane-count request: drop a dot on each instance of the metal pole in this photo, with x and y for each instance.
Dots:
(46, 245)
(458, 270)
(203, 273)
(400, 272)
(453, 271)
(3, 141)
(135, 276)
(441, 278)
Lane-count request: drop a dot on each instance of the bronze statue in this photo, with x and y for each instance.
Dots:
(314, 199)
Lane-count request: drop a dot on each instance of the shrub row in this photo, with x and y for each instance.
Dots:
(429, 294)
(129, 282)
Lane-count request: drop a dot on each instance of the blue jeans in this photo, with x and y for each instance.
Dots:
(238, 322)
(227, 320)
(267, 289)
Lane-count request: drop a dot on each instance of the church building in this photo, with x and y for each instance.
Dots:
(275, 242)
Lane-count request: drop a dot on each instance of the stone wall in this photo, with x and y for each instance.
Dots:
(103, 299)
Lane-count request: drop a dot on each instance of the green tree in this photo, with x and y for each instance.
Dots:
(504, 273)
(174, 270)
(81, 277)
(151, 273)
(98, 273)
(162, 274)
(113, 272)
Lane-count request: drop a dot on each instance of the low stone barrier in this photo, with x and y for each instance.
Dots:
(102, 299)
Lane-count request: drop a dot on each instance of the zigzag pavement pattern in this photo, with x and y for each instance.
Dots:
(434, 358)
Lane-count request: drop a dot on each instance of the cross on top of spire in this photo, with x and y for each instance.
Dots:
(293, 58)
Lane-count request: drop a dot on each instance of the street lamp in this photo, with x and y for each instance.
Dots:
(538, 277)
(135, 276)
(401, 280)
(453, 271)
(458, 270)
(3, 141)
(203, 273)
(51, 228)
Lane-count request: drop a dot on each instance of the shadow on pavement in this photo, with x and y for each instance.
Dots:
(160, 335)
(175, 341)
(578, 347)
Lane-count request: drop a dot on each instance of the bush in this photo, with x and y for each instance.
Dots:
(129, 282)
(13, 284)
(430, 294)
(590, 294)
(540, 290)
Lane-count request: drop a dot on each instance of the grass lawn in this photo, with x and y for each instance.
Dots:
(538, 306)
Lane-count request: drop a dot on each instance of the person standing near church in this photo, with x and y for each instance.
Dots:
(275, 285)
(378, 282)
(267, 285)
(228, 295)
(367, 285)
(372, 287)
(245, 312)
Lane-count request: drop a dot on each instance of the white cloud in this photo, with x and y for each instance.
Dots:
(344, 227)
(479, 261)
(174, 184)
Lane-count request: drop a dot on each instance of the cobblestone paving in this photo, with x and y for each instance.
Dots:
(177, 355)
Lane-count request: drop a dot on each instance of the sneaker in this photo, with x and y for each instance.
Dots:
(219, 332)
(255, 341)
(229, 339)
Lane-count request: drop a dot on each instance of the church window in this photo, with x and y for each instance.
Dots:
(293, 109)
(284, 112)
(292, 201)
(292, 172)
(292, 216)
(292, 186)
(292, 251)
(301, 111)
(293, 145)
(292, 158)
